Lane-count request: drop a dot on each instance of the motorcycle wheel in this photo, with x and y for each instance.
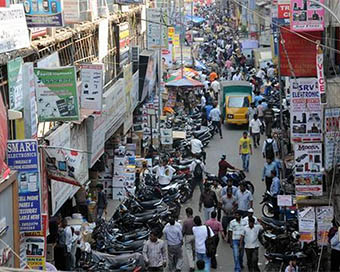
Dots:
(267, 210)
(184, 197)
(250, 186)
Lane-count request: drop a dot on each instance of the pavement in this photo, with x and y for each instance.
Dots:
(228, 146)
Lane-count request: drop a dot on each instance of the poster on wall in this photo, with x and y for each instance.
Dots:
(332, 137)
(306, 15)
(306, 217)
(134, 94)
(23, 156)
(103, 35)
(43, 13)
(321, 75)
(127, 71)
(305, 112)
(91, 86)
(124, 41)
(57, 94)
(13, 29)
(154, 19)
(15, 84)
(324, 217)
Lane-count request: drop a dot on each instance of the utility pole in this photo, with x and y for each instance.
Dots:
(181, 7)
(161, 22)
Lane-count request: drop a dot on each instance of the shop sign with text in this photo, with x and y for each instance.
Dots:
(332, 137)
(15, 84)
(321, 75)
(23, 156)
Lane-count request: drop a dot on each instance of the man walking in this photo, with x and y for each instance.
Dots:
(251, 111)
(209, 201)
(197, 148)
(217, 228)
(197, 169)
(173, 236)
(101, 201)
(201, 234)
(268, 116)
(154, 253)
(236, 231)
(269, 166)
(255, 130)
(275, 191)
(245, 150)
(188, 235)
(229, 206)
(251, 244)
(215, 117)
(244, 200)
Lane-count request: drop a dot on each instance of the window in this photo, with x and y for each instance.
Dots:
(238, 102)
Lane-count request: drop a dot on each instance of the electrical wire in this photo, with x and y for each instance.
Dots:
(291, 31)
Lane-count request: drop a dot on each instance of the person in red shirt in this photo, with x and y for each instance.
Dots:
(217, 228)
(223, 167)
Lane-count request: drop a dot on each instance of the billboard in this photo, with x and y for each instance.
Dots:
(283, 9)
(301, 53)
(15, 84)
(306, 16)
(155, 18)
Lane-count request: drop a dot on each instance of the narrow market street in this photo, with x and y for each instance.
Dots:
(229, 146)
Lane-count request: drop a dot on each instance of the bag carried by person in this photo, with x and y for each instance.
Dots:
(269, 150)
(198, 171)
(210, 244)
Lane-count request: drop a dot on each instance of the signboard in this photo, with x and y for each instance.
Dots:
(103, 39)
(30, 106)
(3, 137)
(321, 75)
(13, 29)
(332, 137)
(308, 168)
(283, 9)
(96, 137)
(166, 136)
(301, 53)
(23, 156)
(128, 2)
(91, 86)
(284, 200)
(128, 87)
(71, 11)
(57, 94)
(51, 61)
(306, 217)
(305, 112)
(156, 18)
(14, 72)
(324, 217)
(135, 91)
(135, 53)
(306, 15)
(124, 40)
(43, 13)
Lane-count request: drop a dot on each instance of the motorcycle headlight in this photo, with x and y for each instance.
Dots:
(230, 116)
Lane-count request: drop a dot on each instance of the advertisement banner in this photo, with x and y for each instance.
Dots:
(306, 217)
(91, 86)
(66, 167)
(14, 72)
(308, 168)
(3, 137)
(23, 156)
(324, 217)
(305, 111)
(332, 137)
(306, 15)
(43, 13)
(321, 75)
(301, 53)
(36, 246)
(283, 9)
(128, 2)
(124, 41)
(103, 39)
(128, 87)
(155, 19)
(57, 94)
(13, 29)
(96, 137)
(30, 106)
(134, 91)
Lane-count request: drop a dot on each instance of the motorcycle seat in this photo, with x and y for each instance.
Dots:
(181, 167)
(145, 217)
(185, 162)
(273, 221)
(198, 133)
(149, 202)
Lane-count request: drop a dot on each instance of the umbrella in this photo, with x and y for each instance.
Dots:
(184, 82)
(188, 72)
(198, 65)
(195, 19)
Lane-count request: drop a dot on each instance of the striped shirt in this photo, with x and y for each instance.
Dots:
(237, 228)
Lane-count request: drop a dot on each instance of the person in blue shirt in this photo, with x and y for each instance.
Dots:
(208, 108)
(258, 97)
(275, 191)
(269, 166)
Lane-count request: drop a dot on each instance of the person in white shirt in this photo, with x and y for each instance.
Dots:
(215, 117)
(215, 85)
(67, 233)
(255, 130)
(164, 173)
(197, 149)
(252, 244)
(271, 72)
(197, 169)
(201, 234)
(206, 84)
(235, 233)
(237, 76)
(250, 215)
(203, 101)
(260, 74)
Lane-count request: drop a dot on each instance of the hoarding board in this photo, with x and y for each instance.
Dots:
(156, 18)
(14, 72)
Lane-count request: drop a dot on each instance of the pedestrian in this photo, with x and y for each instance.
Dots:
(215, 117)
(67, 240)
(275, 191)
(270, 149)
(201, 234)
(229, 206)
(164, 173)
(208, 107)
(217, 188)
(269, 166)
(200, 264)
(230, 186)
(203, 101)
(212, 76)
(260, 110)
(244, 200)
(217, 228)
(154, 253)
(215, 85)
(250, 215)
(197, 170)
(189, 241)
(292, 267)
(251, 111)
(174, 237)
(252, 244)
(245, 150)
(223, 167)
(268, 116)
(101, 201)
(255, 130)
(235, 233)
(197, 148)
(209, 201)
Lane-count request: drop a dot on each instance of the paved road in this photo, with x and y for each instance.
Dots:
(229, 146)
